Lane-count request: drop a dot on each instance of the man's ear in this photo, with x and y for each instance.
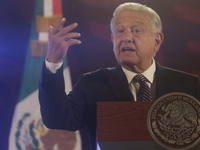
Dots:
(159, 37)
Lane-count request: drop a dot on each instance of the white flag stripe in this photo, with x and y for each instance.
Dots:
(67, 77)
(48, 8)
(48, 11)
(43, 36)
(29, 104)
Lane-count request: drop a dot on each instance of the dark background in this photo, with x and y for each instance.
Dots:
(180, 49)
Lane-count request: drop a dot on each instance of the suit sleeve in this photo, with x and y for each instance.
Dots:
(59, 110)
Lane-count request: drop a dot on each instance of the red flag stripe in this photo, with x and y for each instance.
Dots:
(57, 7)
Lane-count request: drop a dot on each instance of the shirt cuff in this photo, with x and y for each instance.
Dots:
(53, 67)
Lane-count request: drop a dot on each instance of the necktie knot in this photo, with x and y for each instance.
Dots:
(143, 93)
(140, 78)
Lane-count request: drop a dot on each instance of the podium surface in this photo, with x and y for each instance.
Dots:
(123, 126)
(123, 121)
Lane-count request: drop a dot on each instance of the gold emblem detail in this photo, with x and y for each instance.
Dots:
(174, 121)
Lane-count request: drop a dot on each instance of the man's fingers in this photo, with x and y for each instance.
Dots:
(67, 29)
(72, 42)
(60, 39)
(70, 36)
(50, 29)
(58, 27)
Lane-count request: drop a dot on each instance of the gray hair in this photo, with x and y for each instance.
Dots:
(130, 6)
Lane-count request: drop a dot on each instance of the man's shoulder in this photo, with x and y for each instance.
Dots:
(103, 75)
(170, 72)
(103, 72)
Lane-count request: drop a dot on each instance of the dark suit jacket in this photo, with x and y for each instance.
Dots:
(78, 108)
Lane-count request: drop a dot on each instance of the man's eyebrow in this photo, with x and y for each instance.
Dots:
(118, 23)
(140, 23)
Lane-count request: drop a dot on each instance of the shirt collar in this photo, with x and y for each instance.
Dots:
(149, 73)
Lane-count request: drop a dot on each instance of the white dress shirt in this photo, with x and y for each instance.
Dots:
(53, 67)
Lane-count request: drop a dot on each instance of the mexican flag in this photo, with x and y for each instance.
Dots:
(28, 131)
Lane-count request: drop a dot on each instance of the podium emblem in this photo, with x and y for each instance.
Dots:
(173, 121)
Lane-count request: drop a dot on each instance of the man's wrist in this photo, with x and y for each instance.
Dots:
(53, 67)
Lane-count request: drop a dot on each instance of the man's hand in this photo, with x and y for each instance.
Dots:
(60, 39)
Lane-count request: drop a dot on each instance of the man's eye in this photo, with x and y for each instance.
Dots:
(120, 31)
(137, 31)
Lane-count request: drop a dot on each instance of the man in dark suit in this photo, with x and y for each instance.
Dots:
(136, 36)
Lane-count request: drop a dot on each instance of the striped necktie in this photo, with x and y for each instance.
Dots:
(143, 94)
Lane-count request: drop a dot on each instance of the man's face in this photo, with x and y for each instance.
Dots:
(133, 40)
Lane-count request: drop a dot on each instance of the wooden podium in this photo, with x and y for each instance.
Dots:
(119, 122)
(123, 121)
(123, 126)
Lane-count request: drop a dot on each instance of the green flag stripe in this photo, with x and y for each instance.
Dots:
(33, 65)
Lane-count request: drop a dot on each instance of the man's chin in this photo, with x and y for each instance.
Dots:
(129, 63)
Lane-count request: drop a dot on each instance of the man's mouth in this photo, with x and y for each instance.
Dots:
(127, 49)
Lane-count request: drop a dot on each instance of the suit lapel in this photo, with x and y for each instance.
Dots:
(119, 85)
(163, 82)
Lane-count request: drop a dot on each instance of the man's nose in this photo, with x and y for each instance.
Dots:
(127, 37)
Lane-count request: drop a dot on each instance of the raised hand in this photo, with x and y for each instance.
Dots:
(60, 39)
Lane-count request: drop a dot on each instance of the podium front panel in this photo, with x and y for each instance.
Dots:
(123, 121)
